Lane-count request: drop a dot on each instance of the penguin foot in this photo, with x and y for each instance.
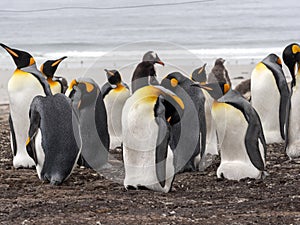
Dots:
(264, 174)
(21, 162)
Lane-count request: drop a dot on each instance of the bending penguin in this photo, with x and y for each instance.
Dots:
(211, 149)
(144, 74)
(88, 103)
(54, 141)
(189, 136)
(146, 120)
(57, 84)
(269, 97)
(114, 93)
(291, 57)
(25, 83)
(242, 142)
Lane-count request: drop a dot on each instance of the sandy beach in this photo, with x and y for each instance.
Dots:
(94, 67)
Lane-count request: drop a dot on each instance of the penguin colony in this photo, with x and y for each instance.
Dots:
(163, 128)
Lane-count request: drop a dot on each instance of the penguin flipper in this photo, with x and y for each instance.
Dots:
(162, 141)
(33, 129)
(106, 88)
(283, 90)
(287, 121)
(252, 146)
(283, 108)
(13, 135)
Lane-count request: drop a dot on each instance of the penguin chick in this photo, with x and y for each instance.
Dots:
(219, 73)
(244, 89)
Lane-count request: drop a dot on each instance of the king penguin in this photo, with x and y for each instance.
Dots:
(188, 136)
(114, 93)
(269, 97)
(291, 57)
(242, 142)
(54, 141)
(25, 83)
(145, 74)
(219, 73)
(146, 120)
(199, 75)
(88, 103)
(57, 84)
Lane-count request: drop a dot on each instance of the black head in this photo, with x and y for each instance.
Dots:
(22, 59)
(113, 76)
(290, 56)
(216, 90)
(172, 80)
(49, 67)
(273, 58)
(199, 74)
(219, 61)
(152, 57)
(83, 93)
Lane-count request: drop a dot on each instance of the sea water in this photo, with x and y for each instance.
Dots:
(117, 33)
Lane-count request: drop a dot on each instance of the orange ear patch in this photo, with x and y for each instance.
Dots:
(279, 61)
(32, 61)
(89, 87)
(226, 88)
(295, 49)
(174, 82)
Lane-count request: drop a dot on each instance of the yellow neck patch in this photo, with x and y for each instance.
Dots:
(119, 87)
(52, 82)
(260, 66)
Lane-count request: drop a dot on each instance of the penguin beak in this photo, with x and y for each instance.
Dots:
(160, 62)
(9, 50)
(202, 86)
(109, 72)
(202, 68)
(58, 61)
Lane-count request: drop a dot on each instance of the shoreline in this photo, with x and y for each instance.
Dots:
(72, 68)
